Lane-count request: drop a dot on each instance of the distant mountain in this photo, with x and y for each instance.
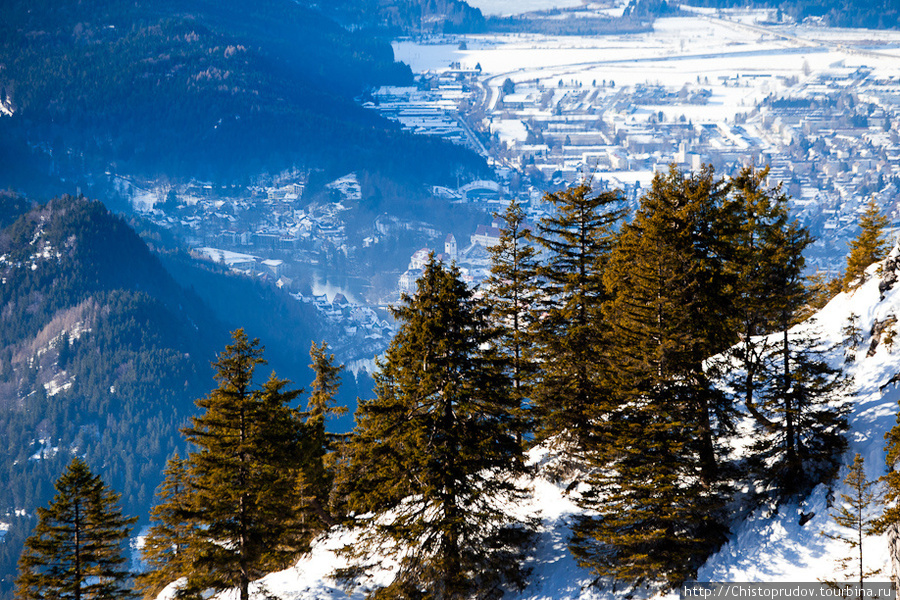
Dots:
(103, 352)
(220, 90)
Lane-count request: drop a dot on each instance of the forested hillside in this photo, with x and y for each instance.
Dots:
(650, 362)
(104, 352)
(223, 90)
(872, 14)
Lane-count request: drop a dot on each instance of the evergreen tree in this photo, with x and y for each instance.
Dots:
(809, 407)
(167, 549)
(511, 293)
(570, 337)
(656, 489)
(890, 517)
(757, 261)
(434, 454)
(75, 551)
(242, 492)
(855, 513)
(318, 467)
(869, 246)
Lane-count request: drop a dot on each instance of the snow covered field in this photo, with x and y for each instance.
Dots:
(740, 63)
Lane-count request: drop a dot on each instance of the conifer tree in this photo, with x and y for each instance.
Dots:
(656, 489)
(242, 491)
(167, 549)
(434, 454)
(757, 263)
(318, 468)
(571, 336)
(855, 513)
(511, 292)
(808, 403)
(75, 551)
(869, 246)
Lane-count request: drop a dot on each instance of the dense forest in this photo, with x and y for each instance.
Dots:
(104, 352)
(211, 90)
(872, 14)
(630, 345)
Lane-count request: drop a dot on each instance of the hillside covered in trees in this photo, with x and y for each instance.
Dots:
(658, 374)
(104, 352)
(213, 90)
(872, 14)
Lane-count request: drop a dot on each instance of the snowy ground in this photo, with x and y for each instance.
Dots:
(738, 61)
(768, 546)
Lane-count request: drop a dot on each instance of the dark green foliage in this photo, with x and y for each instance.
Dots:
(807, 404)
(318, 465)
(570, 336)
(869, 246)
(512, 294)
(242, 474)
(76, 549)
(435, 451)
(657, 486)
(167, 546)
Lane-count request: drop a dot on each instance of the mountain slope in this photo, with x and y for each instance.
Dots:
(99, 356)
(766, 544)
(224, 90)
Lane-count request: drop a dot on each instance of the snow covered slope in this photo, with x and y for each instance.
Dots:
(767, 546)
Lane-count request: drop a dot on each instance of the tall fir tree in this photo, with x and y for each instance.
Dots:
(868, 247)
(318, 464)
(757, 264)
(855, 513)
(242, 493)
(511, 293)
(570, 337)
(656, 490)
(434, 455)
(167, 550)
(75, 551)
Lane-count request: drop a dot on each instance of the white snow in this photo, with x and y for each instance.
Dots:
(517, 7)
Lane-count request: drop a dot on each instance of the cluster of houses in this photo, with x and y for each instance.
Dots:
(832, 137)
(473, 261)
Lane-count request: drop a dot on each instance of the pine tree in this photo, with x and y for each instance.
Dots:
(167, 549)
(808, 404)
(855, 513)
(758, 262)
(656, 488)
(318, 467)
(243, 475)
(75, 551)
(434, 454)
(869, 246)
(570, 337)
(511, 293)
